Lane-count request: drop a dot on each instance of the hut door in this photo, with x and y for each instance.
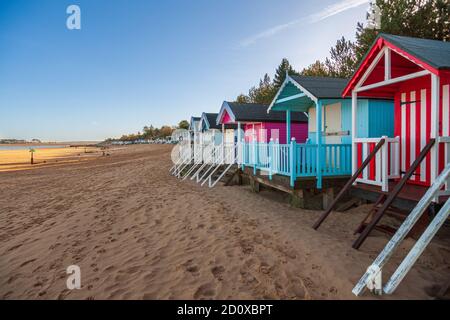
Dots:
(414, 132)
(229, 136)
(332, 123)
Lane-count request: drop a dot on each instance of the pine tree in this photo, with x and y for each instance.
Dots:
(342, 62)
(242, 98)
(317, 69)
(280, 73)
(264, 93)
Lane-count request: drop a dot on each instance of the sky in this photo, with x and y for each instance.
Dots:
(142, 62)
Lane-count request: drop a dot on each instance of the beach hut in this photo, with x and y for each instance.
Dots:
(327, 154)
(211, 149)
(196, 141)
(415, 73)
(257, 125)
(411, 168)
(208, 124)
(194, 124)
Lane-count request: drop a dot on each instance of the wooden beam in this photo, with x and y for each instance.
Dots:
(295, 96)
(288, 126)
(370, 69)
(319, 143)
(354, 133)
(387, 64)
(394, 80)
(434, 134)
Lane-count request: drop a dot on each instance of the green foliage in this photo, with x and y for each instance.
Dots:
(183, 124)
(242, 98)
(267, 88)
(428, 19)
(264, 93)
(280, 73)
(149, 133)
(317, 69)
(342, 61)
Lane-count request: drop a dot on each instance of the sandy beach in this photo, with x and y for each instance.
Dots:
(17, 160)
(138, 233)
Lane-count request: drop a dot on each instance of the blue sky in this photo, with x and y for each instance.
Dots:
(135, 63)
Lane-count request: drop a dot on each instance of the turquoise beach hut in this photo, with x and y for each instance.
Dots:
(327, 152)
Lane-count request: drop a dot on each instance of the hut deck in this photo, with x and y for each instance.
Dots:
(407, 199)
(282, 183)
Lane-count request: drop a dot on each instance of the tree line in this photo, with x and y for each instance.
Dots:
(428, 19)
(152, 133)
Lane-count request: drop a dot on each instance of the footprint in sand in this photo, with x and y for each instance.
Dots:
(206, 291)
(14, 247)
(246, 246)
(189, 267)
(27, 262)
(217, 272)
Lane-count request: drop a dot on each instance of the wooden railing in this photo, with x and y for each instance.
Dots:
(297, 160)
(393, 194)
(384, 166)
(349, 183)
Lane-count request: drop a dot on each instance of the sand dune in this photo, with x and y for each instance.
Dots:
(139, 233)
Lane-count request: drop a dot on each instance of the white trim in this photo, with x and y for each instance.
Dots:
(444, 139)
(412, 129)
(434, 126)
(445, 111)
(394, 80)
(299, 86)
(365, 153)
(204, 119)
(403, 131)
(367, 181)
(376, 140)
(278, 93)
(384, 177)
(367, 140)
(370, 69)
(446, 127)
(423, 131)
(406, 57)
(295, 96)
(354, 115)
(225, 107)
(387, 63)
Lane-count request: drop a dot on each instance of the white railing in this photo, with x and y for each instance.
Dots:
(372, 278)
(184, 154)
(230, 153)
(387, 161)
(446, 142)
(228, 160)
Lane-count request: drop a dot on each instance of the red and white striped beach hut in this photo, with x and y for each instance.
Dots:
(416, 74)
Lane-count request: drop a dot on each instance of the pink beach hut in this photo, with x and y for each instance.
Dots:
(257, 125)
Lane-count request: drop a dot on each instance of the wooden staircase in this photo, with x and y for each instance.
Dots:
(383, 205)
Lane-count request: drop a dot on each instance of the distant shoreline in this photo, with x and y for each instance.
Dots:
(66, 144)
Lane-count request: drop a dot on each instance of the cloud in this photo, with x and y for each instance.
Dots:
(327, 12)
